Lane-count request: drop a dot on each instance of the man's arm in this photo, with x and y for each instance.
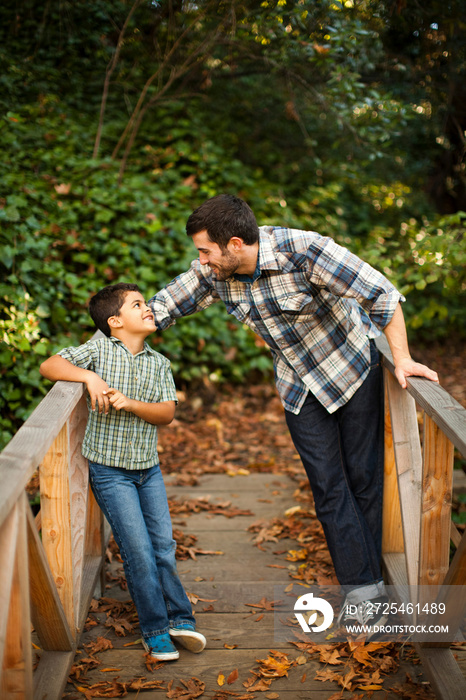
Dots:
(405, 366)
(161, 413)
(190, 292)
(57, 368)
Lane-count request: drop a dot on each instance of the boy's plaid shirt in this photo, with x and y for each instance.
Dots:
(121, 439)
(314, 303)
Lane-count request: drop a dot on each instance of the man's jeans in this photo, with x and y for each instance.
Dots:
(342, 454)
(135, 505)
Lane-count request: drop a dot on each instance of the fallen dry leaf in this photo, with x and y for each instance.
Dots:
(193, 688)
(265, 604)
(275, 665)
(120, 625)
(255, 684)
(151, 663)
(194, 599)
(330, 656)
(232, 677)
(100, 644)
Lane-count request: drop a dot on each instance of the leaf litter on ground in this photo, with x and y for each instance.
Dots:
(239, 432)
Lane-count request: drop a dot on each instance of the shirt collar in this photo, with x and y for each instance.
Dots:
(146, 349)
(270, 257)
(267, 259)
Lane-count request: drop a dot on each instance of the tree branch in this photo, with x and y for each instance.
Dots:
(110, 68)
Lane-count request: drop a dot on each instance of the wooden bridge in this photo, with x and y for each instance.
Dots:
(51, 563)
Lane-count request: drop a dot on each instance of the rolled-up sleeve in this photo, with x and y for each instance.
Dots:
(167, 384)
(80, 356)
(187, 294)
(344, 274)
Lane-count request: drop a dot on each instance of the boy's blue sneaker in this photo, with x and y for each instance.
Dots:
(161, 647)
(187, 636)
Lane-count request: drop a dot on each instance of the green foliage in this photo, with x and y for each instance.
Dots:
(316, 113)
(426, 260)
(69, 229)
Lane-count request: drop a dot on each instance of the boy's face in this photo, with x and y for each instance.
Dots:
(135, 316)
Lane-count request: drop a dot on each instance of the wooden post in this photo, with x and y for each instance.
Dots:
(392, 532)
(47, 612)
(79, 488)
(436, 504)
(408, 458)
(56, 520)
(16, 679)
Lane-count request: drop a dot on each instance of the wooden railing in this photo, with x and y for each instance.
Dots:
(417, 526)
(49, 565)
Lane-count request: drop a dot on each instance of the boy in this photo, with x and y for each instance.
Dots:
(131, 391)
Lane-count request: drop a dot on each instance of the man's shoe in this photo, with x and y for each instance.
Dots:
(364, 617)
(161, 647)
(187, 636)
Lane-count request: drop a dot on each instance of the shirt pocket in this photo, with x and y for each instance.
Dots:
(299, 308)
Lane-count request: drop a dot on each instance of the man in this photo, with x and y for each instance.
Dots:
(318, 308)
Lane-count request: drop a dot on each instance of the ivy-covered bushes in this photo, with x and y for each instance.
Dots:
(67, 229)
(293, 106)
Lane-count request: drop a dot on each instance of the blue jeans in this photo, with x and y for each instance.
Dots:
(136, 507)
(342, 453)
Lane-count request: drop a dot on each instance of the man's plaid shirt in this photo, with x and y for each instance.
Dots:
(314, 303)
(121, 439)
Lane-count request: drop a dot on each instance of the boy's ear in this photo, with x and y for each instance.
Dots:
(114, 322)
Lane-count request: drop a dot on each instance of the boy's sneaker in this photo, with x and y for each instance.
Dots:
(187, 636)
(366, 616)
(161, 647)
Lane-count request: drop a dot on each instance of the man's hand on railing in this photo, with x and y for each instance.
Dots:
(407, 367)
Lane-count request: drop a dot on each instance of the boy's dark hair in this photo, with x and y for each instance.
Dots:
(223, 217)
(108, 302)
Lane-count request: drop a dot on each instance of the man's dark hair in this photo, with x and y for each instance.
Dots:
(108, 302)
(224, 217)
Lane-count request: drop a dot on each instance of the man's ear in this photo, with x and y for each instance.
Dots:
(114, 322)
(236, 243)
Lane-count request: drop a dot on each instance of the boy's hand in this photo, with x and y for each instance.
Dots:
(98, 391)
(119, 400)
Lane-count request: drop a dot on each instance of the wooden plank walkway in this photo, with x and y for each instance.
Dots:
(223, 584)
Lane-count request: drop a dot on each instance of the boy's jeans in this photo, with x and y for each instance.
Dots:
(135, 505)
(342, 453)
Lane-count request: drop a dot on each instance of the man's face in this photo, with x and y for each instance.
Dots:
(135, 315)
(223, 263)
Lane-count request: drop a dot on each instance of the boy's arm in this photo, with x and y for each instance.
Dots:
(161, 413)
(57, 368)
